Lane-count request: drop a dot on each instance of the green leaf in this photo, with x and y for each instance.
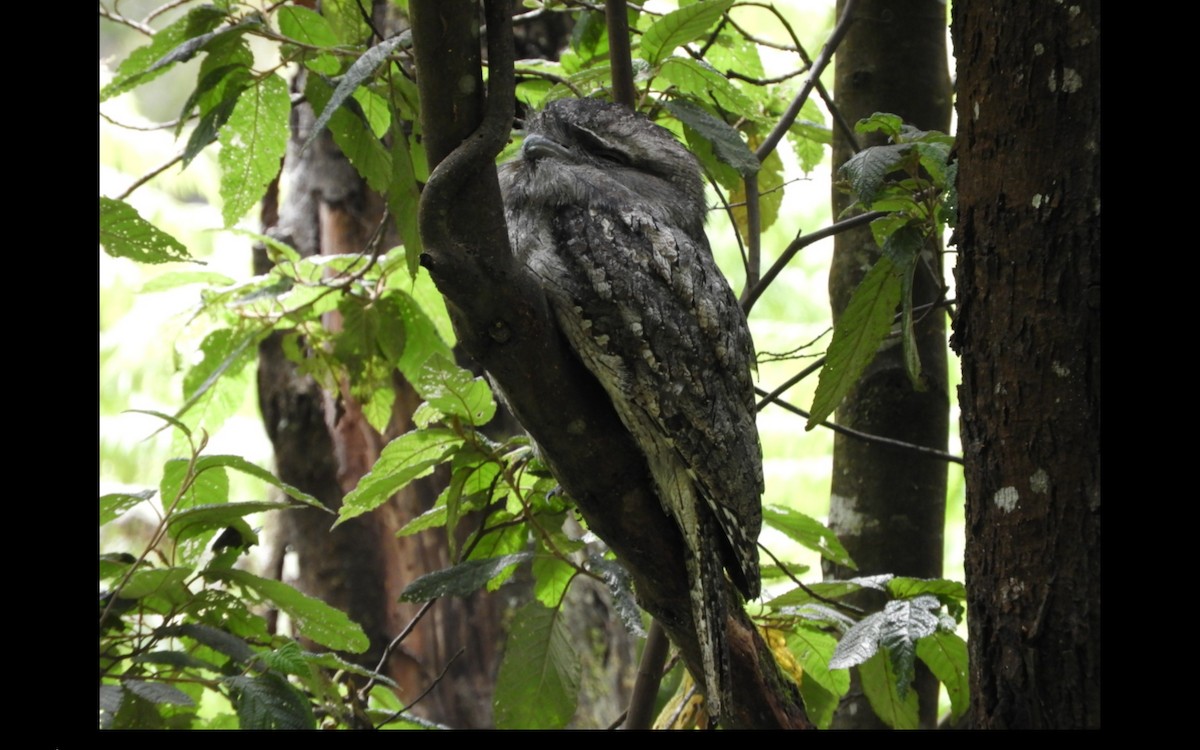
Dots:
(175, 279)
(430, 519)
(157, 692)
(506, 539)
(346, 19)
(455, 392)
(813, 649)
(879, 685)
(551, 579)
(902, 587)
(946, 656)
(312, 617)
(177, 659)
(189, 48)
(253, 142)
(404, 195)
(215, 638)
(884, 122)
(362, 69)
(269, 701)
(133, 70)
(213, 384)
(125, 234)
(538, 684)
(408, 457)
(430, 311)
(897, 628)
(305, 26)
(168, 583)
(374, 110)
(239, 464)
(732, 51)
(727, 143)
(117, 503)
(856, 338)
(819, 703)
(462, 579)
(799, 598)
(353, 136)
(331, 661)
(809, 532)
(213, 120)
(199, 519)
(903, 247)
(206, 487)
(288, 658)
(907, 621)
(680, 27)
(701, 83)
(867, 169)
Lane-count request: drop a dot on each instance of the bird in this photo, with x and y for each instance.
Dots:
(607, 210)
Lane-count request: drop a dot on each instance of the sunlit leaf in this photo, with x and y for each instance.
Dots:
(253, 142)
(125, 234)
(408, 457)
(809, 532)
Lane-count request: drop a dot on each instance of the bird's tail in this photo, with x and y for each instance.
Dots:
(706, 577)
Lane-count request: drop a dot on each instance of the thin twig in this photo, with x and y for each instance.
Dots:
(864, 436)
(822, 61)
(437, 680)
(144, 128)
(387, 652)
(113, 16)
(150, 175)
(764, 81)
(534, 73)
(164, 8)
(779, 391)
(799, 244)
(838, 119)
(831, 602)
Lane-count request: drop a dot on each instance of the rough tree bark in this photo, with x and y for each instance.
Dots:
(1028, 330)
(887, 505)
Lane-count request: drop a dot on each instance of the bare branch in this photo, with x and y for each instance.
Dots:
(799, 244)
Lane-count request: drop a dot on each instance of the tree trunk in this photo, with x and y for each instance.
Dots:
(887, 505)
(1028, 330)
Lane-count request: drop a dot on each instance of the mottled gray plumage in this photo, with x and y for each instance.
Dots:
(608, 210)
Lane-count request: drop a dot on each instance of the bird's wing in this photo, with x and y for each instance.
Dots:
(649, 313)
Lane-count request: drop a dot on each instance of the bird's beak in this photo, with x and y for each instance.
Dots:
(540, 147)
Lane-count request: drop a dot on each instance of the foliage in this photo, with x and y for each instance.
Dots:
(918, 207)
(182, 629)
(176, 630)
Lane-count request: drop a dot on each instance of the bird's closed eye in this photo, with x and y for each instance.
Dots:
(598, 147)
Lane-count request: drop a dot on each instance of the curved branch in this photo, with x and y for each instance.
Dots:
(799, 244)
